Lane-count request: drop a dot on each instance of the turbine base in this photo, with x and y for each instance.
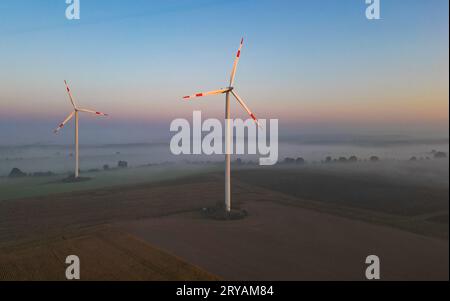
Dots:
(73, 179)
(219, 213)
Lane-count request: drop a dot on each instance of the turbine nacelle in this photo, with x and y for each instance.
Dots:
(230, 88)
(76, 110)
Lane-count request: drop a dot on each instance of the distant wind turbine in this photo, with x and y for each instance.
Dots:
(227, 91)
(75, 112)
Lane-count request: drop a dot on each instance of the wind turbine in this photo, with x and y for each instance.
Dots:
(75, 112)
(227, 91)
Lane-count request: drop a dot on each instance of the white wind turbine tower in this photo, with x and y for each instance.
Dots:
(227, 91)
(75, 112)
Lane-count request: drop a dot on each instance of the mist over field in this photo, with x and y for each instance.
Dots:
(58, 158)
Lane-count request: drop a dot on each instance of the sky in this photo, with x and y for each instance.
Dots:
(319, 66)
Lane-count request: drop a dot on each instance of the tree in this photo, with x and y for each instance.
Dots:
(353, 159)
(374, 159)
(289, 160)
(122, 164)
(17, 173)
(300, 160)
(440, 155)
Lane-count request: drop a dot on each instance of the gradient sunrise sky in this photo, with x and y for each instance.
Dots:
(318, 65)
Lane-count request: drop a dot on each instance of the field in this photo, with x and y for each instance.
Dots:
(41, 186)
(304, 223)
(106, 254)
(417, 204)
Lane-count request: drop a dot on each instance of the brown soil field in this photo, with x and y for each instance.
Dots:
(105, 254)
(285, 237)
(418, 206)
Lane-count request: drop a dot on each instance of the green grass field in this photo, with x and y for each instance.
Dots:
(41, 186)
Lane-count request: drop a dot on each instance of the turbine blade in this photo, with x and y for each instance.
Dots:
(206, 93)
(236, 61)
(242, 103)
(64, 122)
(92, 112)
(70, 94)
